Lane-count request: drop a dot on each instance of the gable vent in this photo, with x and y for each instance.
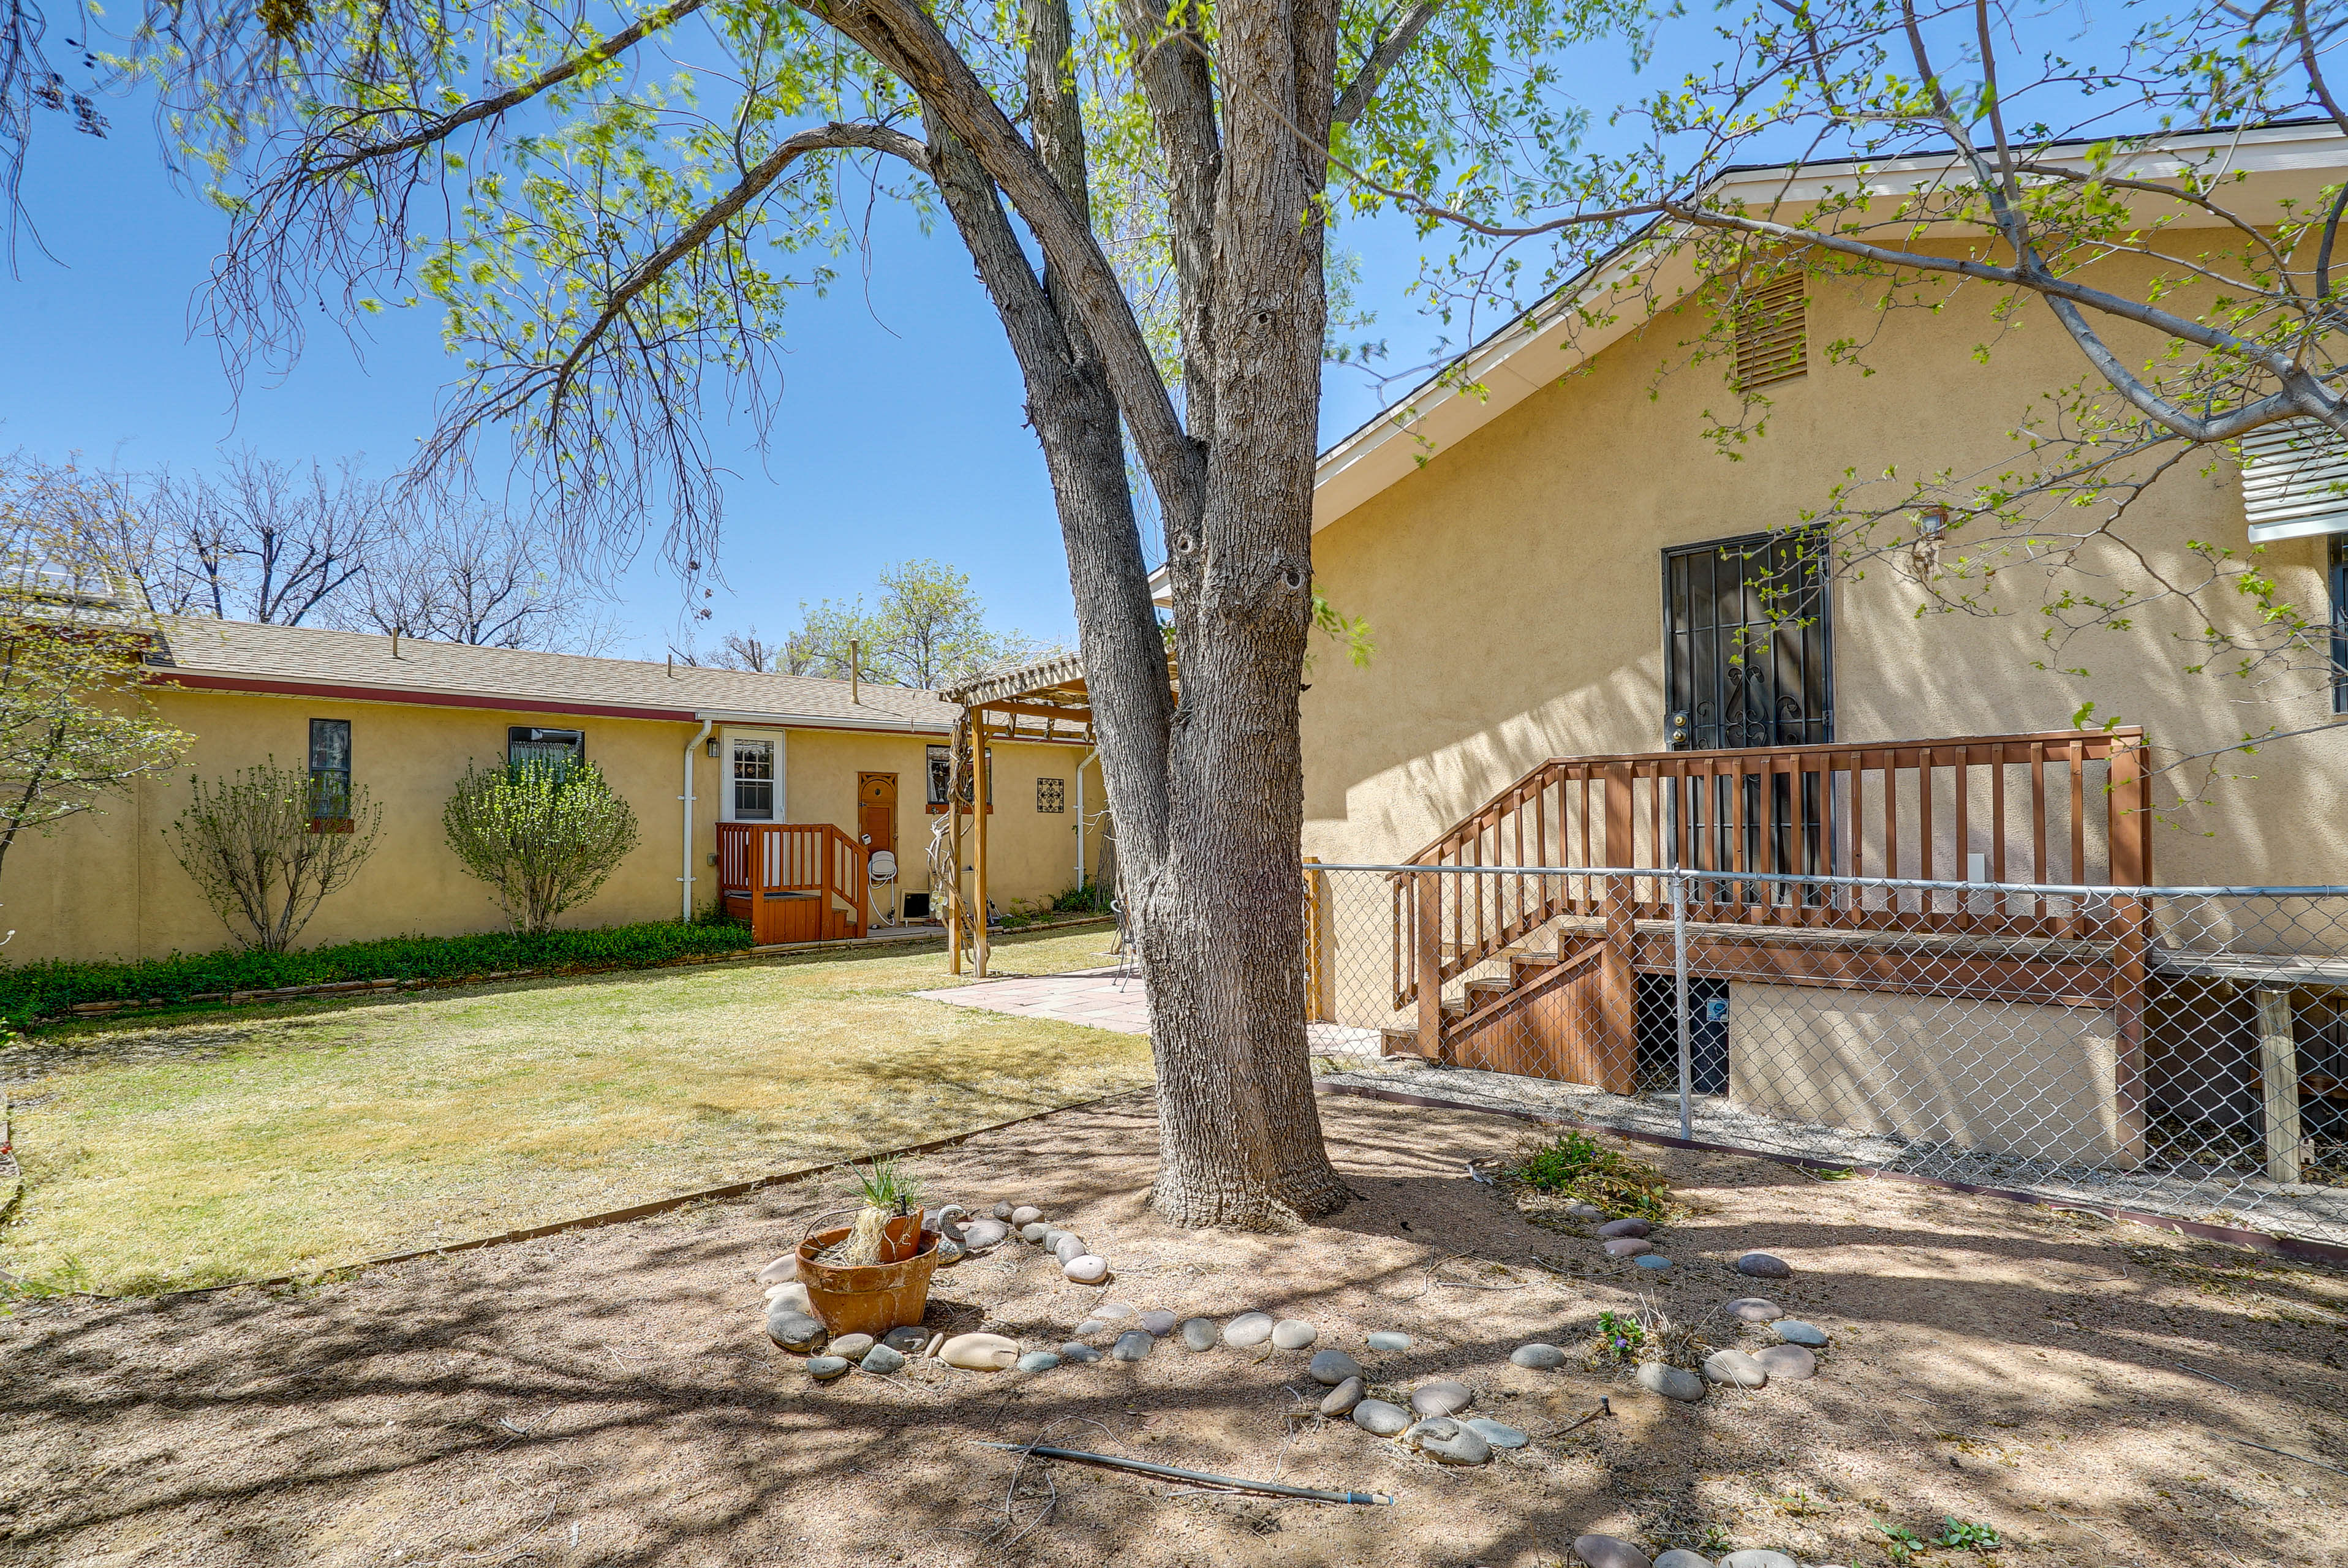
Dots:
(1772, 333)
(2294, 480)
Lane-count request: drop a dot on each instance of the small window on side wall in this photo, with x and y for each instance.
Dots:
(330, 775)
(562, 748)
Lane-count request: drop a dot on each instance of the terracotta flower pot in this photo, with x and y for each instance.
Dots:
(868, 1298)
(901, 1237)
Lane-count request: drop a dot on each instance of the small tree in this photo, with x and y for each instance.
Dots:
(75, 721)
(262, 855)
(545, 837)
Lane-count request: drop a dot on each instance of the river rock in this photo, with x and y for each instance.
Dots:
(1381, 1419)
(1736, 1367)
(1606, 1552)
(1026, 1215)
(1003, 1209)
(1032, 1232)
(1330, 1367)
(1539, 1358)
(781, 1271)
(1794, 1331)
(795, 1330)
(981, 1234)
(979, 1352)
(1625, 1228)
(1132, 1346)
(1080, 1354)
(1157, 1320)
(1584, 1211)
(1757, 1557)
(1293, 1334)
(1387, 1339)
(1792, 1362)
(908, 1340)
(1112, 1311)
(1248, 1330)
(1070, 1247)
(883, 1358)
(824, 1368)
(1090, 1327)
(1764, 1266)
(1053, 1236)
(852, 1346)
(1085, 1268)
(1680, 1557)
(790, 1297)
(1753, 1309)
(1038, 1361)
(1441, 1397)
(1200, 1333)
(1628, 1247)
(1655, 1261)
(1671, 1382)
(1340, 1401)
(1499, 1434)
(1453, 1443)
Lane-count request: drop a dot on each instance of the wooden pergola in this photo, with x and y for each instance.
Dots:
(1045, 700)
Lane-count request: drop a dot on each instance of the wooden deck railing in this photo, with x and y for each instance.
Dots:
(758, 858)
(2065, 807)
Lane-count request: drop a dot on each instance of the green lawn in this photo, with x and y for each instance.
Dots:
(229, 1145)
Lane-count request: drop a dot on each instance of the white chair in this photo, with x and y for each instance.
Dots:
(881, 872)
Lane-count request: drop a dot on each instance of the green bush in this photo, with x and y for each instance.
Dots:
(545, 838)
(33, 991)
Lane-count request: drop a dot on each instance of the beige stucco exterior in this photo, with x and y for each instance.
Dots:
(106, 885)
(1513, 584)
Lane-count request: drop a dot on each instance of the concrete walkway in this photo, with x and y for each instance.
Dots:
(1107, 999)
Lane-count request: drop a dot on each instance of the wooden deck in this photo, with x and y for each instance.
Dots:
(793, 881)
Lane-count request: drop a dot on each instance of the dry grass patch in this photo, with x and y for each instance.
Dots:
(239, 1145)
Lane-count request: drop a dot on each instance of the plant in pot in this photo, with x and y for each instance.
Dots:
(889, 1229)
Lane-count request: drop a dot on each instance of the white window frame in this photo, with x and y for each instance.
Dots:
(775, 737)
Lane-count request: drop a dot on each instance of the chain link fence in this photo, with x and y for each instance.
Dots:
(2177, 1050)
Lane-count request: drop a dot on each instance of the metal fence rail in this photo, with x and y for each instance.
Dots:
(2179, 1050)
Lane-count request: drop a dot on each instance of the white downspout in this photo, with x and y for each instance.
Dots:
(690, 748)
(1080, 814)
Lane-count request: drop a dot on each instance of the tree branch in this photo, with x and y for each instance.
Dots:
(1390, 49)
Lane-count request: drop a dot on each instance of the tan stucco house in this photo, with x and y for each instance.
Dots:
(1557, 564)
(705, 756)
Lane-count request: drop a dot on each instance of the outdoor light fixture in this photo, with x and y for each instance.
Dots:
(713, 745)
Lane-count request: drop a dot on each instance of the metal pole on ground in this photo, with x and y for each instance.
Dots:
(1680, 999)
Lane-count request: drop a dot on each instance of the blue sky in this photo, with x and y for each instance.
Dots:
(900, 435)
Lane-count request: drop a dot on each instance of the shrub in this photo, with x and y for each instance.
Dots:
(263, 856)
(33, 991)
(544, 837)
(1580, 1166)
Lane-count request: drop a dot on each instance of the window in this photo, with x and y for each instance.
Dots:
(563, 748)
(1052, 795)
(2294, 482)
(753, 780)
(330, 772)
(2339, 577)
(1772, 333)
(941, 770)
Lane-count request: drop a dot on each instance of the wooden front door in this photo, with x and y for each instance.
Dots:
(876, 811)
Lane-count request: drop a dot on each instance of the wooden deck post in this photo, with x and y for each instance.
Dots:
(1427, 943)
(1617, 985)
(981, 778)
(954, 782)
(2279, 1082)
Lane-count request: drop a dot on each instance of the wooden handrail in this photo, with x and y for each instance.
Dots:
(755, 859)
(1997, 809)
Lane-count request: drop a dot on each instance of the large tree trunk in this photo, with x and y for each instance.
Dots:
(1210, 795)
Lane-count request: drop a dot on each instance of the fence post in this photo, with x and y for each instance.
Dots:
(1427, 943)
(1618, 980)
(2279, 1082)
(1680, 1001)
(1316, 967)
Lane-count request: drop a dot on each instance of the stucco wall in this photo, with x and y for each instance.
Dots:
(108, 886)
(1513, 584)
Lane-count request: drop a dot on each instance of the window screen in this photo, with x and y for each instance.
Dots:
(330, 769)
(941, 773)
(753, 780)
(562, 748)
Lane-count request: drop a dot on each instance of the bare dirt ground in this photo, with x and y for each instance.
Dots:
(609, 1397)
